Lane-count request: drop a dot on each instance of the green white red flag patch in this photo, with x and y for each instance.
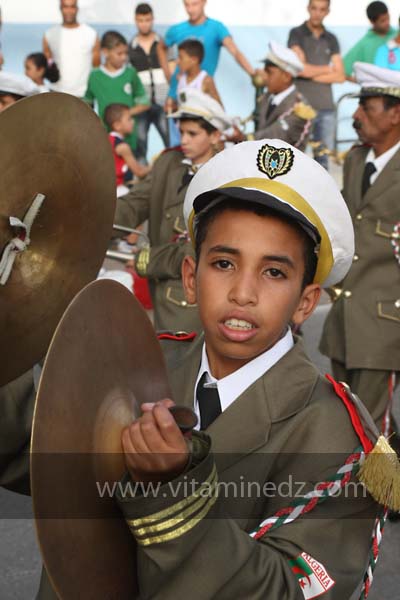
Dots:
(312, 576)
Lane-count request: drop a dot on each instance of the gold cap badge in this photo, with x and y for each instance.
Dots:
(274, 161)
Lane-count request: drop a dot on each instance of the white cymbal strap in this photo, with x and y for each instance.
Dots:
(21, 241)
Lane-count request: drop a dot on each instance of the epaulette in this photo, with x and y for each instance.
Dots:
(178, 336)
(304, 111)
(176, 148)
(380, 469)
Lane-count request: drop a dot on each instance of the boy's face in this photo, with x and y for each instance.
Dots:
(125, 123)
(116, 57)
(247, 286)
(186, 62)
(144, 23)
(318, 10)
(382, 24)
(276, 79)
(196, 143)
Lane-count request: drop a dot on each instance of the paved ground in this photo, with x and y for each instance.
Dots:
(20, 559)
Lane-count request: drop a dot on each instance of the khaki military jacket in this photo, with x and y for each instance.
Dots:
(363, 327)
(288, 426)
(287, 122)
(159, 198)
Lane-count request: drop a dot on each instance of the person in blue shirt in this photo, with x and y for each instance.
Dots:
(388, 55)
(213, 35)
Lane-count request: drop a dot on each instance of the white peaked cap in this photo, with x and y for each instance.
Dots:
(377, 81)
(284, 58)
(277, 175)
(193, 103)
(17, 84)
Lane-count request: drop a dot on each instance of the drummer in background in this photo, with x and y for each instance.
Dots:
(159, 198)
(283, 111)
(14, 88)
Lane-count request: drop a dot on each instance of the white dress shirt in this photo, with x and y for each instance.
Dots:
(276, 99)
(233, 385)
(381, 161)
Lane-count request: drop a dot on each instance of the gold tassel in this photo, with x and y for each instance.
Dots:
(304, 111)
(380, 473)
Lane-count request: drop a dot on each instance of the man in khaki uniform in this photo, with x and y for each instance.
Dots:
(159, 198)
(270, 228)
(283, 112)
(362, 331)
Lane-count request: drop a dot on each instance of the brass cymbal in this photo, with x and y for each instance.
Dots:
(51, 144)
(103, 362)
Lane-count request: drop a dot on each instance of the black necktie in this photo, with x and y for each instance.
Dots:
(209, 404)
(186, 179)
(271, 107)
(369, 170)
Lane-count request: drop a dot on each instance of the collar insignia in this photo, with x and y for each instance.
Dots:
(274, 161)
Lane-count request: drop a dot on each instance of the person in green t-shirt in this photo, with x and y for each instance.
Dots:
(365, 49)
(116, 81)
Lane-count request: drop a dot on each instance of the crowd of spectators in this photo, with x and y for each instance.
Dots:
(145, 75)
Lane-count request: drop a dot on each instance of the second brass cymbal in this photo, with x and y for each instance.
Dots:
(103, 363)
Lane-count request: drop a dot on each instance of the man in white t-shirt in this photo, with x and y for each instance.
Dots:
(74, 47)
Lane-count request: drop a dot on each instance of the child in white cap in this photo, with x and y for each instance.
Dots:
(269, 228)
(159, 198)
(14, 87)
(282, 112)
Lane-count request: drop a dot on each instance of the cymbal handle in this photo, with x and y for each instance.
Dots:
(185, 418)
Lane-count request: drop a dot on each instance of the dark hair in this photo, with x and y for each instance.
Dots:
(113, 113)
(40, 61)
(193, 48)
(202, 123)
(143, 9)
(112, 39)
(327, 1)
(376, 10)
(207, 217)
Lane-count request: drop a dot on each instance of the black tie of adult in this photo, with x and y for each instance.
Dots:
(369, 170)
(270, 109)
(209, 404)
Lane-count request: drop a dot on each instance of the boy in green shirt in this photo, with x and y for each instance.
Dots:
(116, 81)
(365, 49)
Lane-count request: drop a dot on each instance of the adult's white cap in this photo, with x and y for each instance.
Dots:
(281, 177)
(376, 81)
